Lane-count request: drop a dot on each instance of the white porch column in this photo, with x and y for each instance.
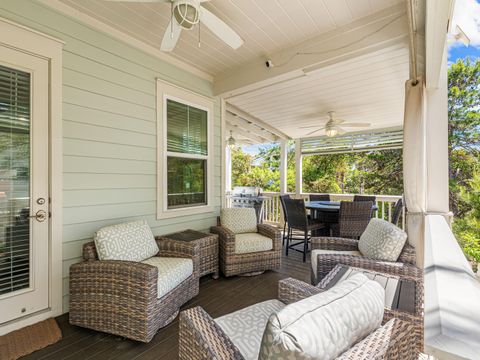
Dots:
(283, 166)
(437, 197)
(298, 167)
(228, 169)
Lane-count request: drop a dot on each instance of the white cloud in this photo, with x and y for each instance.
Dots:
(467, 17)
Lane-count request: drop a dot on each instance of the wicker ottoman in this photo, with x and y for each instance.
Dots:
(208, 249)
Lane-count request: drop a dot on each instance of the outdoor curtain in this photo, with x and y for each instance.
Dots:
(414, 164)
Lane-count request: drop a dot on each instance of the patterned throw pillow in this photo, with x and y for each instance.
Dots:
(132, 241)
(382, 240)
(325, 325)
(239, 220)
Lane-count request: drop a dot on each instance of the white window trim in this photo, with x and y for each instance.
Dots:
(169, 91)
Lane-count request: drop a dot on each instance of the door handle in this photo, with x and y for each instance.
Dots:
(40, 216)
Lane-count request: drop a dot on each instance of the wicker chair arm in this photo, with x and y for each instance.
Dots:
(200, 338)
(408, 255)
(181, 249)
(394, 340)
(334, 243)
(122, 279)
(291, 290)
(273, 233)
(224, 234)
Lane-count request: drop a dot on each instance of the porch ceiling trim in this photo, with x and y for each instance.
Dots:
(382, 29)
(353, 142)
(243, 124)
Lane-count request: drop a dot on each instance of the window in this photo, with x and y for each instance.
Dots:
(185, 150)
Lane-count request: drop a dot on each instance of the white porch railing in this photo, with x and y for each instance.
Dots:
(272, 212)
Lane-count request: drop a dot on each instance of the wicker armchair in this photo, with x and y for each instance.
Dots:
(120, 297)
(253, 262)
(201, 338)
(322, 264)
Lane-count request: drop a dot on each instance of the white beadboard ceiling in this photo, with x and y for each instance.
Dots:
(368, 89)
(265, 25)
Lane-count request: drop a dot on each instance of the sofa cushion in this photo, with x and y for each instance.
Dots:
(252, 242)
(245, 327)
(382, 240)
(132, 241)
(171, 272)
(325, 325)
(239, 220)
(316, 252)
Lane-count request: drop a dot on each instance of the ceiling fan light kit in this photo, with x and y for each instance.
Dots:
(186, 14)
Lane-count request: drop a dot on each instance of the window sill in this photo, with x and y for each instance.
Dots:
(173, 213)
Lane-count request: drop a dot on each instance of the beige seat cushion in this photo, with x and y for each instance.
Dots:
(317, 252)
(325, 325)
(245, 327)
(239, 220)
(382, 240)
(252, 242)
(171, 272)
(132, 241)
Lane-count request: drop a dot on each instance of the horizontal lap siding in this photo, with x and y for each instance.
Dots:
(109, 130)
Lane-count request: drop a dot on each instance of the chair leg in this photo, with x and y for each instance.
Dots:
(283, 234)
(288, 241)
(305, 246)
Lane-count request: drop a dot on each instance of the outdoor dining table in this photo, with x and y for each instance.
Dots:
(327, 211)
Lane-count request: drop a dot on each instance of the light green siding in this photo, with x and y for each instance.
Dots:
(109, 130)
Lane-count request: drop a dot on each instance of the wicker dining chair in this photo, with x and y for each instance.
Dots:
(353, 219)
(397, 211)
(298, 219)
(319, 197)
(365, 198)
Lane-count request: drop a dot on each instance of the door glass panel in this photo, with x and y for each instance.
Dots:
(14, 180)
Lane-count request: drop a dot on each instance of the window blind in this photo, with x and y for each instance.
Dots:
(14, 180)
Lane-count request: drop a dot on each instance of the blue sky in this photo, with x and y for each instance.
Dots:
(461, 51)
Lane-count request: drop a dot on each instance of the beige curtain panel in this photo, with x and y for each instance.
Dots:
(414, 164)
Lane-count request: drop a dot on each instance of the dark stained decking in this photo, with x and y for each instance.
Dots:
(217, 297)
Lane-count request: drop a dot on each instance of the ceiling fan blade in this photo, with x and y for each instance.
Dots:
(170, 38)
(309, 127)
(220, 28)
(340, 131)
(314, 131)
(356, 125)
(140, 1)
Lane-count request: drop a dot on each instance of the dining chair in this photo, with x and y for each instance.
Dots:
(285, 222)
(298, 219)
(397, 211)
(319, 197)
(371, 198)
(353, 219)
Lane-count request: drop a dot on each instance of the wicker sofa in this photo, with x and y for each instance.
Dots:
(120, 297)
(202, 338)
(247, 262)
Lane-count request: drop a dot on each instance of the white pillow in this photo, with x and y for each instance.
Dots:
(325, 325)
(382, 240)
(239, 220)
(132, 241)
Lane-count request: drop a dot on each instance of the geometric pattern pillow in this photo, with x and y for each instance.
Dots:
(132, 241)
(325, 325)
(382, 240)
(239, 220)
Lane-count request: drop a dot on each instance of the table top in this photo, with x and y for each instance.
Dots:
(333, 206)
(399, 292)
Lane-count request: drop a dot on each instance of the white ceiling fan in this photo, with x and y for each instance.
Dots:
(188, 13)
(332, 127)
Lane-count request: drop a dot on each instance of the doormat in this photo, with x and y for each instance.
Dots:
(29, 339)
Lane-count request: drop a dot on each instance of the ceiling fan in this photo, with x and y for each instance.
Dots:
(188, 13)
(332, 127)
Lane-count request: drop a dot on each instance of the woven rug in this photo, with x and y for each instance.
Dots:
(29, 339)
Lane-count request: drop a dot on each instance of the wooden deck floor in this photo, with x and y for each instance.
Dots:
(217, 297)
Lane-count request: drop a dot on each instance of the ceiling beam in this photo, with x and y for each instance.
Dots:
(236, 130)
(372, 33)
(256, 121)
(248, 126)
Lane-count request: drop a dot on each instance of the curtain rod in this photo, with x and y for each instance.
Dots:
(412, 32)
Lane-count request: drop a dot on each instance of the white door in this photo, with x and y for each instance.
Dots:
(24, 197)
